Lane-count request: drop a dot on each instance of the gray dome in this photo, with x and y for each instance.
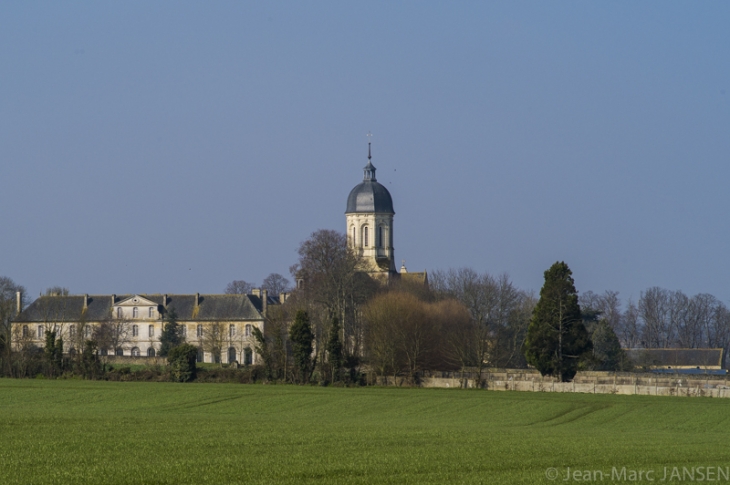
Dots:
(369, 196)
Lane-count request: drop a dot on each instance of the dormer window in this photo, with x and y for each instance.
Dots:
(135, 312)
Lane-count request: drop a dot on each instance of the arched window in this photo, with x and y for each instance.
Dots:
(247, 356)
(380, 237)
(152, 331)
(119, 351)
(201, 355)
(135, 330)
(135, 312)
(152, 312)
(354, 234)
(231, 355)
(135, 351)
(119, 312)
(365, 236)
(151, 352)
(247, 330)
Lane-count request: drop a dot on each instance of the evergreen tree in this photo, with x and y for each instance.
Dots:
(301, 337)
(334, 350)
(172, 333)
(556, 338)
(607, 351)
(182, 362)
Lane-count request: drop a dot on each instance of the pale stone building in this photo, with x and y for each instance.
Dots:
(221, 326)
(369, 221)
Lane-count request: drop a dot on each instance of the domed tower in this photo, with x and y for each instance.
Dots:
(370, 223)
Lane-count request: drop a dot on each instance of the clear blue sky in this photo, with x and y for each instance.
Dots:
(176, 146)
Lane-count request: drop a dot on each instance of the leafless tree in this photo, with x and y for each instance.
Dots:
(112, 334)
(276, 284)
(333, 287)
(57, 291)
(630, 331)
(213, 340)
(656, 315)
(239, 287)
(8, 312)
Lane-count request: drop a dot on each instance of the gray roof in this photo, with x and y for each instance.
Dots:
(676, 357)
(369, 196)
(211, 307)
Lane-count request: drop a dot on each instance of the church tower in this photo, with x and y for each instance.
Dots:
(369, 217)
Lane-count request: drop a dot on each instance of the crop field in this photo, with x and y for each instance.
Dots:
(121, 432)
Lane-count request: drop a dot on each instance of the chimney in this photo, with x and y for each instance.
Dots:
(264, 301)
(256, 292)
(197, 299)
(282, 297)
(86, 301)
(164, 300)
(114, 299)
(19, 301)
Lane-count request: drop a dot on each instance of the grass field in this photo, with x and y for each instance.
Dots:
(103, 432)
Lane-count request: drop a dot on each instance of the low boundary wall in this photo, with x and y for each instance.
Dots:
(587, 383)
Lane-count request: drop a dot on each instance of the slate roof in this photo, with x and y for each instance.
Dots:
(212, 307)
(677, 357)
(370, 195)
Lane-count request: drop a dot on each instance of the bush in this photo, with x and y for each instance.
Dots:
(182, 362)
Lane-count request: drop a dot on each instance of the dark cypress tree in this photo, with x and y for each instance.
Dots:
(301, 337)
(172, 335)
(557, 338)
(334, 350)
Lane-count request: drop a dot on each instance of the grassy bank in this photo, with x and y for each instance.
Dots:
(93, 432)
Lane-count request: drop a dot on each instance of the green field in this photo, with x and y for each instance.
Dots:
(103, 432)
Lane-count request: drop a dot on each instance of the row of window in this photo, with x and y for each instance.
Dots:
(232, 354)
(247, 331)
(382, 237)
(135, 312)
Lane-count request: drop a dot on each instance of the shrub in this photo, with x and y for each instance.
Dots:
(182, 362)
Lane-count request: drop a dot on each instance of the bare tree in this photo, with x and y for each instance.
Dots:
(276, 284)
(239, 287)
(333, 287)
(655, 313)
(112, 334)
(213, 340)
(8, 312)
(57, 291)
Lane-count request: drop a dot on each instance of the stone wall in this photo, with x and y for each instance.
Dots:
(584, 382)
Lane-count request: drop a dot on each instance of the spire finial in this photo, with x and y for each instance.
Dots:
(370, 136)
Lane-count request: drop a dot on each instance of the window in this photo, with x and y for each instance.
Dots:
(72, 332)
(231, 330)
(152, 331)
(199, 332)
(365, 236)
(119, 351)
(247, 330)
(87, 331)
(135, 330)
(104, 352)
(184, 330)
(353, 236)
(40, 331)
(151, 352)
(135, 312)
(247, 356)
(25, 331)
(231, 355)
(152, 312)
(119, 312)
(135, 351)
(380, 237)
(201, 355)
